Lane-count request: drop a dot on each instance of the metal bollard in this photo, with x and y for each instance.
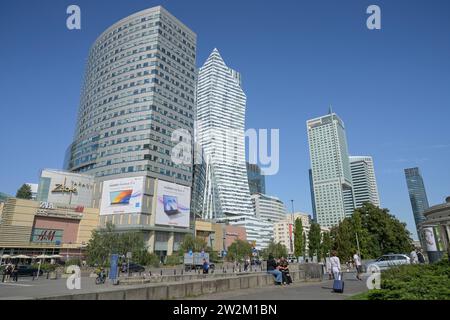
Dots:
(161, 272)
(181, 271)
(174, 272)
(150, 273)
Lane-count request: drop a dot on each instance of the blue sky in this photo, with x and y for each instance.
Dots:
(391, 87)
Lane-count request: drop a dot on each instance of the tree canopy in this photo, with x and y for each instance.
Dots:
(239, 250)
(298, 238)
(314, 238)
(378, 233)
(107, 241)
(276, 249)
(24, 192)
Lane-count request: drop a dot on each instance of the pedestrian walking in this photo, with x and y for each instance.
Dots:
(413, 257)
(335, 265)
(8, 271)
(358, 265)
(205, 267)
(15, 273)
(420, 256)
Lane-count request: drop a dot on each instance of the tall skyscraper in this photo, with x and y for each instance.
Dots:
(220, 132)
(256, 180)
(364, 182)
(139, 87)
(330, 167)
(417, 195)
(138, 103)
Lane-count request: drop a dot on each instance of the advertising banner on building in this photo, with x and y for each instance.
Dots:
(46, 236)
(173, 204)
(65, 188)
(122, 196)
(430, 241)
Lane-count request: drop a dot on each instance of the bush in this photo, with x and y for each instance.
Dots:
(148, 259)
(414, 282)
(173, 260)
(46, 267)
(73, 262)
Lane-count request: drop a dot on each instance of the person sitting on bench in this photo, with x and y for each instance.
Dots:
(272, 268)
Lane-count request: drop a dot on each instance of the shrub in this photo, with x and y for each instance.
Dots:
(414, 282)
(46, 267)
(73, 262)
(173, 260)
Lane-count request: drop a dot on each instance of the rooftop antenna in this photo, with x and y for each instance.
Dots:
(330, 110)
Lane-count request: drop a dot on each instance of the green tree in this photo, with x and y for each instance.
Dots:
(24, 192)
(298, 238)
(196, 244)
(314, 240)
(107, 241)
(239, 250)
(345, 241)
(378, 232)
(276, 249)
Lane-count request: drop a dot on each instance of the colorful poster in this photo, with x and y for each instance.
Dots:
(122, 196)
(173, 204)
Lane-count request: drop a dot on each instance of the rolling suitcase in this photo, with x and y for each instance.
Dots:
(338, 285)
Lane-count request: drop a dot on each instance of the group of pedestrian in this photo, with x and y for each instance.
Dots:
(416, 256)
(10, 272)
(334, 266)
(279, 268)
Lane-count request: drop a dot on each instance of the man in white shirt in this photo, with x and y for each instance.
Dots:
(358, 264)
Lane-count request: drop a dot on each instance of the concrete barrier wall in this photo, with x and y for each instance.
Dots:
(186, 289)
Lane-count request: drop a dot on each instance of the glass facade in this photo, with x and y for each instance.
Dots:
(417, 194)
(139, 89)
(256, 181)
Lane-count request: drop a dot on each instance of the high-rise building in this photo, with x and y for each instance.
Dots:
(139, 87)
(256, 180)
(330, 166)
(311, 189)
(220, 125)
(364, 182)
(137, 104)
(268, 208)
(220, 132)
(417, 195)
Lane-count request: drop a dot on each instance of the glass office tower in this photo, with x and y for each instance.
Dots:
(139, 87)
(330, 170)
(138, 103)
(417, 195)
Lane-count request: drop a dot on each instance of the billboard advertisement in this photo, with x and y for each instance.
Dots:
(65, 188)
(122, 196)
(430, 241)
(173, 204)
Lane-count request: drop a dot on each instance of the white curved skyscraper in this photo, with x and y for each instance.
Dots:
(220, 132)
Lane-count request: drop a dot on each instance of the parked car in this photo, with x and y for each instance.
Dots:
(387, 261)
(26, 270)
(134, 267)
